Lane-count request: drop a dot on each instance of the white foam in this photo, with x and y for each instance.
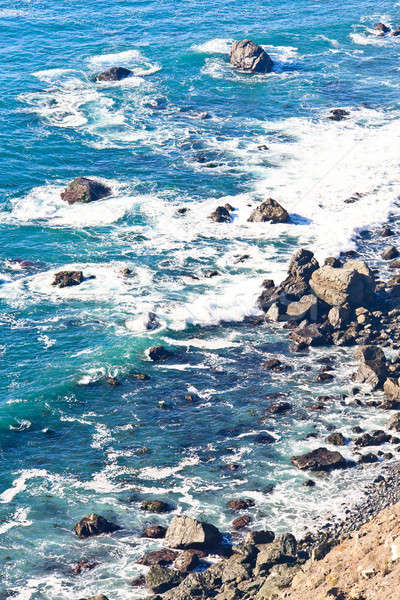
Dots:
(121, 59)
(19, 484)
(19, 519)
(214, 46)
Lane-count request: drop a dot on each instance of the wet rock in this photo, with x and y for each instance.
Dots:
(64, 279)
(309, 483)
(114, 74)
(269, 211)
(155, 531)
(309, 335)
(186, 561)
(390, 253)
(305, 308)
(84, 565)
(373, 367)
(229, 207)
(279, 408)
(353, 284)
(375, 438)
(139, 376)
(158, 353)
(339, 316)
(155, 506)
(98, 597)
(336, 438)
(158, 557)
(395, 264)
(264, 438)
(138, 582)
(301, 267)
(394, 423)
(160, 579)
(94, 524)
(249, 56)
(266, 299)
(240, 504)
(324, 377)
(387, 232)
(259, 537)
(210, 274)
(338, 114)
(382, 28)
(320, 459)
(368, 458)
(220, 215)
(241, 522)
(83, 190)
(395, 32)
(185, 532)
(113, 381)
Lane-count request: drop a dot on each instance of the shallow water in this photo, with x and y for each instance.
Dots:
(70, 443)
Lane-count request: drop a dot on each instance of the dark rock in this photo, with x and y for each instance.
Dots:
(251, 57)
(382, 28)
(94, 525)
(154, 531)
(309, 483)
(84, 565)
(324, 377)
(85, 190)
(210, 274)
(138, 582)
(241, 522)
(158, 557)
(373, 367)
(220, 215)
(158, 353)
(376, 438)
(336, 438)
(264, 438)
(310, 335)
(301, 267)
(368, 458)
(259, 537)
(160, 579)
(269, 211)
(229, 207)
(185, 532)
(67, 278)
(390, 253)
(155, 506)
(114, 74)
(395, 264)
(240, 504)
(396, 32)
(387, 232)
(333, 262)
(186, 561)
(338, 114)
(279, 407)
(320, 459)
(394, 422)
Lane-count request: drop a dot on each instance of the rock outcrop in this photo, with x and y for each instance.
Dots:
(83, 190)
(301, 267)
(320, 459)
(64, 279)
(373, 366)
(185, 532)
(114, 74)
(353, 284)
(220, 215)
(251, 57)
(269, 211)
(94, 525)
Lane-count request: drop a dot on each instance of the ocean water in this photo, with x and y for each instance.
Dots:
(70, 443)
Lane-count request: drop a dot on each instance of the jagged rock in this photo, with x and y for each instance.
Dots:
(114, 74)
(395, 32)
(336, 438)
(339, 316)
(240, 504)
(375, 438)
(320, 459)
(155, 531)
(83, 565)
(94, 525)
(333, 262)
(306, 308)
(67, 278)
(348, 285)
(259, 537)
(310, 335)
(185, 532)
(270, 210)
(155, 506)
(276, 312)
(158, 353)
(251, 57)
(158, 557)
(390, 253)
(394, 423)
(338, 114)
(266, 299)
(281, 550)
(161, 579)
(85, 190)
(368, 458)
(373, 367)
(345, 338)
(186, 561)
(241, 522)
(220, 215)
(381, 27)
(301, 267)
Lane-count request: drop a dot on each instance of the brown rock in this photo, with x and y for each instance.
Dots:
(240, 504)
(67, 278)
(158, 557)
(85, 190)
(320, 459)
(155, 506)
(94, 525)
(155, 531)
(249, 56)
(241, 522)
(270, 210)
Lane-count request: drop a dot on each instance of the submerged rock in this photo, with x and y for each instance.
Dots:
(249, 56)
(269, 211)
(320, 459)
(155, 506)
(158, 353)
(185, 532)
(114, 74)
(338, 114)
(94, 525)
(83, 190)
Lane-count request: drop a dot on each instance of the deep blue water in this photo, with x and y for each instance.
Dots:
(69, 442)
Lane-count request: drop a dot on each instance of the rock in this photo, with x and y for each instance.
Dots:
(241, 522)
(161, 579)
(309, 483)
(324, 377)
(268, 295)
(281, 550)
(387, 232)
(368, 458)
(395, 264)
(336, 438)
(186, 561)
(251, 57)
(259, 537)
(155, 532)
(220, 215)
(210, 274)
(158, 557)
(320, 459)
(333, 262)
(348, 285)
(98, 597)
(390, 253)
(94, 525)
(376, 438)
(269, 211)
(114, 74)
(185, 532)
(264, 438)
(301, 267)
(382, 28)
(158, 353)
(306, 308)
(394, 423)
(229, 207)
(240, 504)
(64, 279)
(309, 335)
(155, 506)
(276, 312)
(85, 190)
(84, 565)
(279, 408)
(396, 32)
(339, 316)
(338, 114)
(391, 387)
(373, 367)
(138, 582)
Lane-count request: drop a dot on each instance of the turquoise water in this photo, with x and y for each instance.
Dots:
(70, 443)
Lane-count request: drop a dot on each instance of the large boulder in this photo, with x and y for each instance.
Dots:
(249, 56)
(320, 459)
(352, 284)
(269, 211)
(220, 215)
(161, 579)
(85, 190)
(64, 279)
(155, 506)
(281, 550)
(94, 525)
(185, 532)
(305, 308)
(301, 267)
(391, 387)
(158, 557)
(114, 74)
(310, 335)
(373, 366)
